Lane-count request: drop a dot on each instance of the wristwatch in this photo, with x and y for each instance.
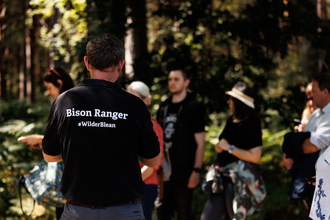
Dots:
(231, 148)
(197, 170)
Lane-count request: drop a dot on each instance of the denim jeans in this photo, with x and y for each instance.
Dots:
(133, 211)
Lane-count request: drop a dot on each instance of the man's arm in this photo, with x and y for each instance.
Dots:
(199, 156)
(146, 172)
(308, 147)
(33, 140)
(152, 162)
(49, 158)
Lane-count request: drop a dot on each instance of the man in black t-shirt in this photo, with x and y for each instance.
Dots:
(101, 133)
(182, 119)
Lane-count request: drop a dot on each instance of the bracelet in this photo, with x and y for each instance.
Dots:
(231, 148)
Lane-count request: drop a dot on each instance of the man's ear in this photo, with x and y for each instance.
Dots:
(121, 64)
(186, 82)
(86, 63)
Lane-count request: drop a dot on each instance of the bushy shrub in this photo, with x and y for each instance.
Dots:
(17, 119)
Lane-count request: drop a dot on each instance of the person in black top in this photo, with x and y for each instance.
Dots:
(101, 133)
(182, 119)
(241, 139)
(56, 80)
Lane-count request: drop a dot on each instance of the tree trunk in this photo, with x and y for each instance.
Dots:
(22, 65)
(317, 60)
(3, 88)
(28, 78)
(32, 58)
(324, 62)
(136, 40)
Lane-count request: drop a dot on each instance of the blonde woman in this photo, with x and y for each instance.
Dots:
(149, 174)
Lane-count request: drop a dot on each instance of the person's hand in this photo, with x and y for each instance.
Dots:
(217, 148)
(222, 145)
(288, 162)
(300, 128)
(33, 140)
(313, 183)
(193, 180)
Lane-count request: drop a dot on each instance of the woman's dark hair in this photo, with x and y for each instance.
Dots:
(57, 73)
(242, 111)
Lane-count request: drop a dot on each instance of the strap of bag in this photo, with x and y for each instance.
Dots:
(21, 183)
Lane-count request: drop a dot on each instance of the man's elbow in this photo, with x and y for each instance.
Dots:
(308, 147)
(50, 159)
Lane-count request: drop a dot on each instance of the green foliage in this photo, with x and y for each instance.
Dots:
(17, 119)
(222, 42)
(69, 29)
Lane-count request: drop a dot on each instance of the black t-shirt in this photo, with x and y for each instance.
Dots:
(100, 130)
(245, 134)
(189, 120)
(170, 121)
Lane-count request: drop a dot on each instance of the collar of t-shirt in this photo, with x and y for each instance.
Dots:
(99, 82)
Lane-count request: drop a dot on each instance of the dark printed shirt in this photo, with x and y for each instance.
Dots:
(100, 130)
(189, 120)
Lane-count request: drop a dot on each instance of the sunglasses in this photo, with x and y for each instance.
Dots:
(52, 69)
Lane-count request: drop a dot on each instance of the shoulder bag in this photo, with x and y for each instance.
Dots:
(43, 183)
(212, 182)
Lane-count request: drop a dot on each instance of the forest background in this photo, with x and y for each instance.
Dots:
(272, 45)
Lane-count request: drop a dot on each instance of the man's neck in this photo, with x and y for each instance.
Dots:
(176, 98)
(325, 105)
(97, 74)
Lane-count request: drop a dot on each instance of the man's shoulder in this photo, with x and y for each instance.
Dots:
(162, 105)
(191, 103)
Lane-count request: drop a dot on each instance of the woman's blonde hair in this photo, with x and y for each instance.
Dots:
(140, 88)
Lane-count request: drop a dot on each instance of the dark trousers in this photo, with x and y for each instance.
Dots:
(148, 199)
(218, 204)
(176, 197)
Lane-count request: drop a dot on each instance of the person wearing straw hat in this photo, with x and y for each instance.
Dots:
(240, 140)
(149, 174)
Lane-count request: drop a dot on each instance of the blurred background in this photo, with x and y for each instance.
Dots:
(272, 45)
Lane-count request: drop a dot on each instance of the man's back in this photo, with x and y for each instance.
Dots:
(101, 129)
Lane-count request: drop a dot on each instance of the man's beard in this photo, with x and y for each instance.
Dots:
(177, 92)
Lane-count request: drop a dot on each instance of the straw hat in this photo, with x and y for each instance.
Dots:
(243, 93)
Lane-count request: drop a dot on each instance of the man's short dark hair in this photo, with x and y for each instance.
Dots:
(323, 80)
(104, 51)
(183, 71)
